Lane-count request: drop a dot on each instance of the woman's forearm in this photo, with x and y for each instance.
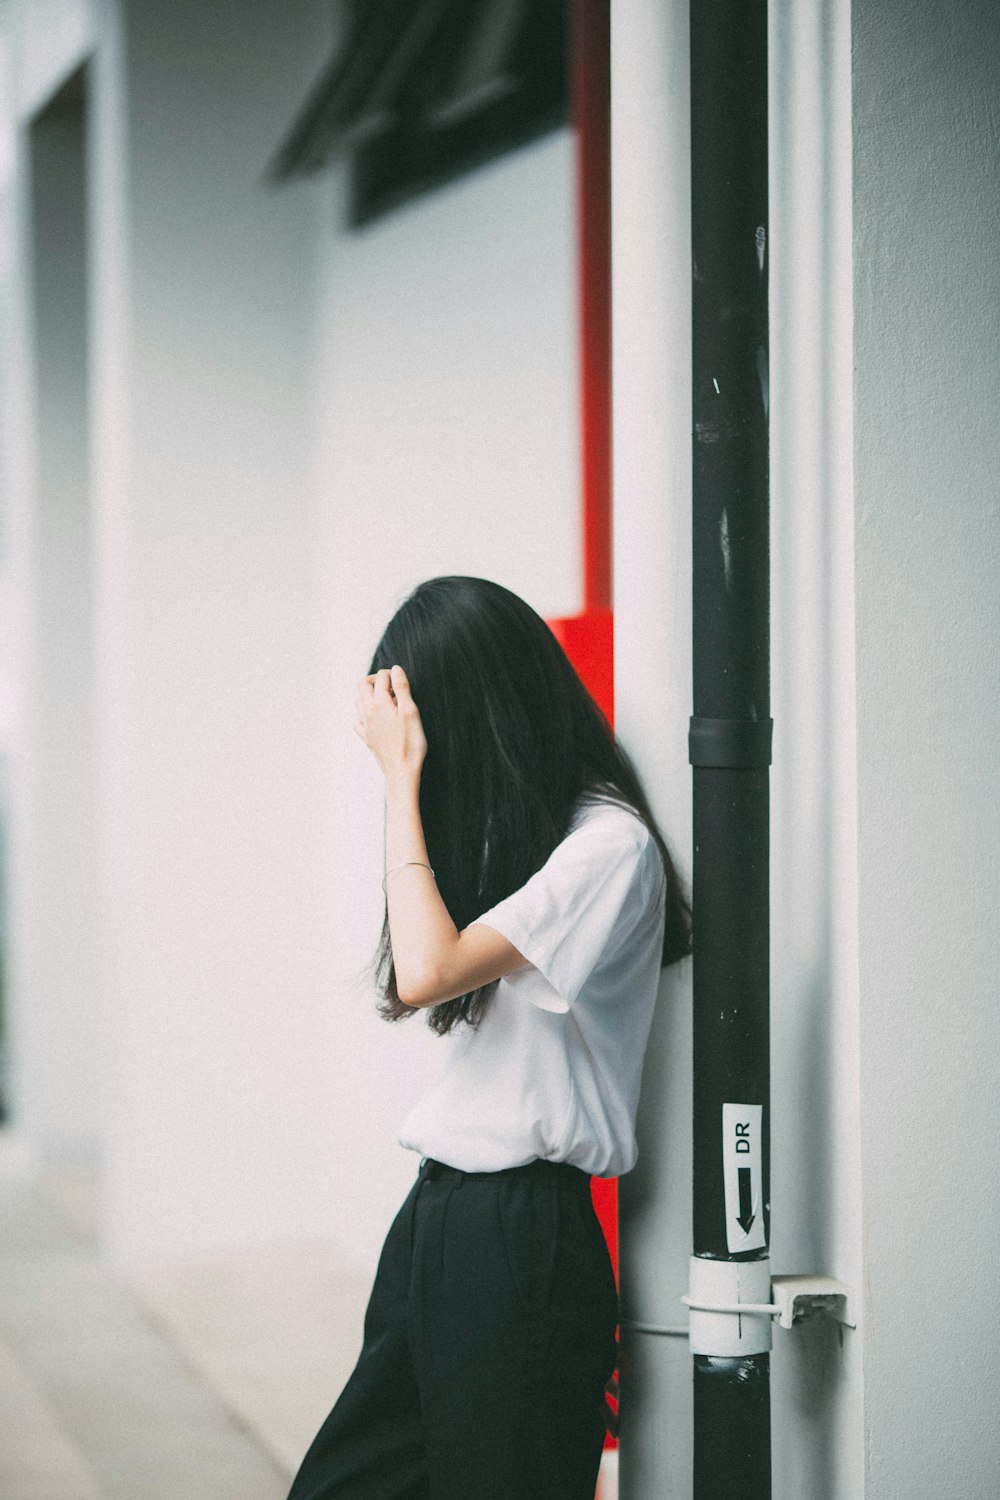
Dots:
(420, 927)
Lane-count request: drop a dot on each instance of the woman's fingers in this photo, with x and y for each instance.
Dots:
(384, 681)
(389, 721)
(366, 691)
(389, 682)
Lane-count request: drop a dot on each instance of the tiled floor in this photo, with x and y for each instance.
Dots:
(98, 1401)
(188, 1382)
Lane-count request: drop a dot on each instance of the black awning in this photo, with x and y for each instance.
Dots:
(421, 91)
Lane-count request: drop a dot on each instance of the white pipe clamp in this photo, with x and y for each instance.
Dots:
(731, 1308)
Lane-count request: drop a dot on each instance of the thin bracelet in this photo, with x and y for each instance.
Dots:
(406, 862)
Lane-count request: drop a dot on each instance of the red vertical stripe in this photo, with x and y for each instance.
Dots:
(589, 640)
(591, 94)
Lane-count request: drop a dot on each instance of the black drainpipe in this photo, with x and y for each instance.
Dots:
(730, 750)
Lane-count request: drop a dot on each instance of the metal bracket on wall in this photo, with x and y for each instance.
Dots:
(799, 1297)
(796, 1299)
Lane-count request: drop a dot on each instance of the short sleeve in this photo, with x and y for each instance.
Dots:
(579, 907)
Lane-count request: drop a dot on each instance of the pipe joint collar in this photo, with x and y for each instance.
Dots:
(743, 744)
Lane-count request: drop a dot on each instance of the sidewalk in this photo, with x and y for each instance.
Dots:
(195, 1388)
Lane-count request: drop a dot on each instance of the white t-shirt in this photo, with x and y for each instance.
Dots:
(555, 1065)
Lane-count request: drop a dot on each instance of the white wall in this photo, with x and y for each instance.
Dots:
(292, 425)
(61, 954)
(436, 402)
(815, 1186)
(211, 749)
(927, 453)
(817, 1368)
(651, 386)
(55, 1017)
(49, 38)
(448, 435)
(8, 606)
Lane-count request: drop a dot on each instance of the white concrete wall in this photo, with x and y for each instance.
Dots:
(815, 1184)
(817, 1368)
(651, 385)
(49, 39)
(292, 425)
(8, 611)
(448, 444)
(55, 1022)
(926, 455)
(61, 954)
(212, 766)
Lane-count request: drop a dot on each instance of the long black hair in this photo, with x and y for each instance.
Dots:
(513, 739)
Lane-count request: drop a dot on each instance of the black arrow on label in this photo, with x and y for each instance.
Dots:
(746, 1214)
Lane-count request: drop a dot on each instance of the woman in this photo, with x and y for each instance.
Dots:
(530, 904)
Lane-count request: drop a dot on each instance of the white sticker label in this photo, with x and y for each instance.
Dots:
(742, 1173)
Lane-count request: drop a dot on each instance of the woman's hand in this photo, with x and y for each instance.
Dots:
(389, 722)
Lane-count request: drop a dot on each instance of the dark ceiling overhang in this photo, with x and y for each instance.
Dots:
(420, 92)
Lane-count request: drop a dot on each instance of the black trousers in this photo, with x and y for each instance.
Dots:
(489, 1338)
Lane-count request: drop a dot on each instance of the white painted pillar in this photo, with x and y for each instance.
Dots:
(651, 341)
(926, 458)
(816, 1373)
(55, 1015)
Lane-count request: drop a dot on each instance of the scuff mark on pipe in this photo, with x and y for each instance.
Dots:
(727, 562)
(762, 375)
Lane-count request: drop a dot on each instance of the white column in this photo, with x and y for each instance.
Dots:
(55, 1016)
(816, 1374)
(926, 458)
(651, 311)
(816, 1369)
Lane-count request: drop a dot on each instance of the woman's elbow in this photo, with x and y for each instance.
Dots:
(417, 990)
